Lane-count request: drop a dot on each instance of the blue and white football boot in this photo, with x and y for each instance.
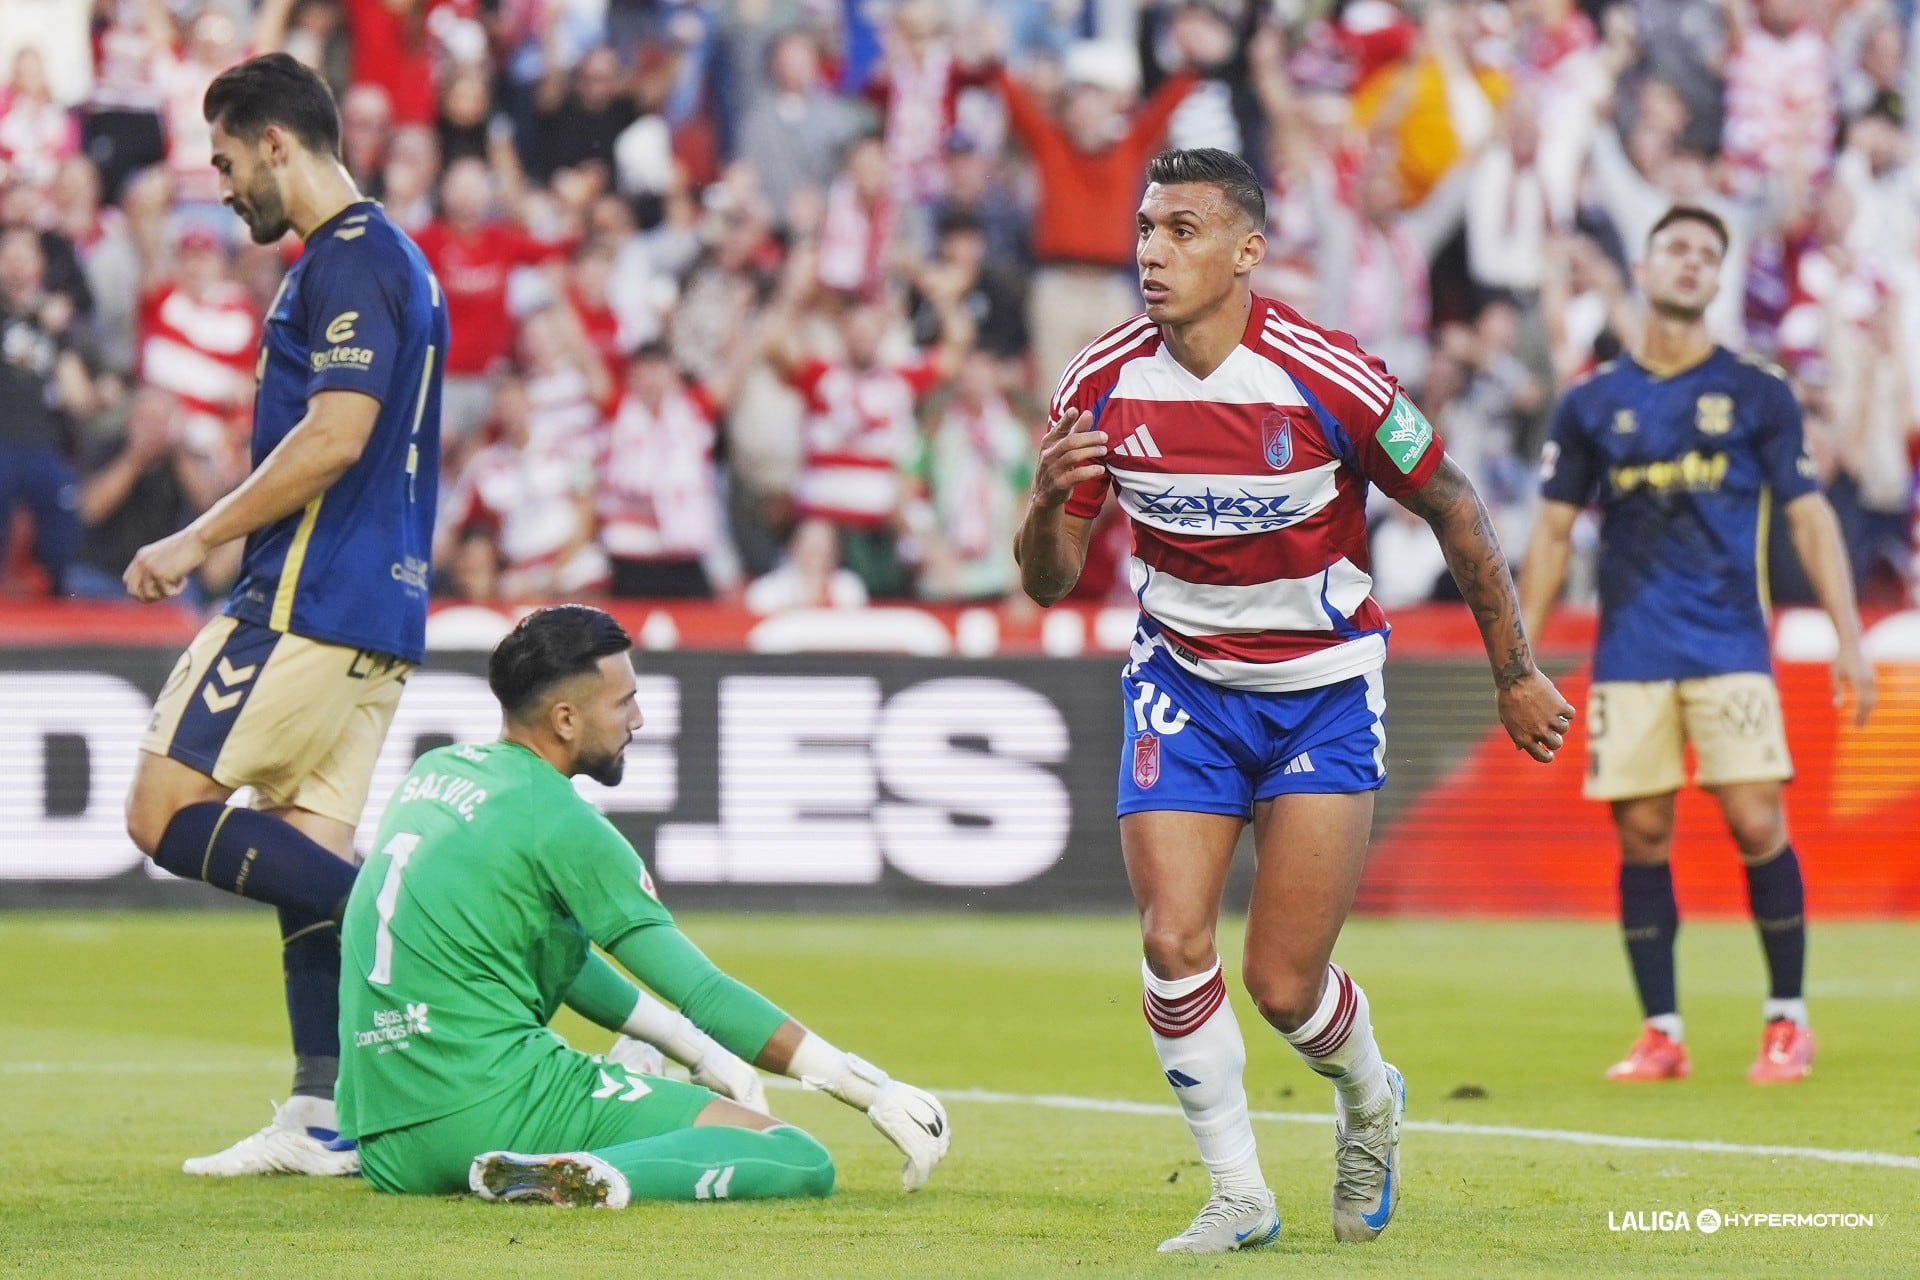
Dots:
(1366, 1166)
(1228, 1222)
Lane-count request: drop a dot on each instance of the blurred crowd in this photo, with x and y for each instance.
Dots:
(762, 300)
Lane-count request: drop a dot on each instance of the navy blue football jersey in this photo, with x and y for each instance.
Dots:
(360, 311)
(1686, 469)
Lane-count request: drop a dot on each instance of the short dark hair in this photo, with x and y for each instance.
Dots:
(1693, 213)
(548, 646)
(1234, 176)
(275, 89)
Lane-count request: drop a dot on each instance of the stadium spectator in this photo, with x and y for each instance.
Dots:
(1780, 97)
(107, 242)
(407, 178)
(659, 495)
(57, 31)
(860, 431)
(811, 576)
(677, 158)
(36, 133)
(183, 74)
(859, 224)
(1088, 163)
(793, 135)
(474, 253)
(992, 292)
(366, 125)
(23, 208)
(138, 489)
(199, 336)
(534, 493)
(581, 111)
(971, 478)
(42, 382)
(915, 87)
(1521, 190)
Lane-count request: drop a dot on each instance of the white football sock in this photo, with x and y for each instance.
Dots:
(1337, 1041)
(1669, 1025)
(1774, 1010)
(305, 1112)
(1205, 1059)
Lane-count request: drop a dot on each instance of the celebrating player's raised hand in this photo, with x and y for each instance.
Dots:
(1536, 717)
(1070, 455)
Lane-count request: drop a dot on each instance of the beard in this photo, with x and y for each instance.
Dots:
(607, 769)
(264, 212)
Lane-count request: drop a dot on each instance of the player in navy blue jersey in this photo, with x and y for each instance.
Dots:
(291, 690)
(1687, 448)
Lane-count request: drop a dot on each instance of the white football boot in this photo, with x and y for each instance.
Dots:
(1229, 1222)
(1366, 1167)
(286, 1146)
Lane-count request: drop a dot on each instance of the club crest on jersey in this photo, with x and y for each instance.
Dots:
(1276, 438)
(1713, 414)
(1146, 760)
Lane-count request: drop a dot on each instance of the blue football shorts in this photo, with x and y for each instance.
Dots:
(1197, 747)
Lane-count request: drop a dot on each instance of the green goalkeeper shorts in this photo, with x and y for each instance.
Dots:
(571, 1103)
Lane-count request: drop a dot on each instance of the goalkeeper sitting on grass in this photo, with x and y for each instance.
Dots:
(474, 919)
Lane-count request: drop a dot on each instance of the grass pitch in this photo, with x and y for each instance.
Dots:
(128, 1042)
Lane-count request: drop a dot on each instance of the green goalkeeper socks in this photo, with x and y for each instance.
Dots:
(719, 1162)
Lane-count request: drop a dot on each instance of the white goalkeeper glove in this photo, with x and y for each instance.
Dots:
(915, 1122)
(912, 1119)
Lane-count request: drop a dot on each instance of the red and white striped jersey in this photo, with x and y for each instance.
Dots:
(860, 434)
(1247, 493)
(658, 495)
(201, 349)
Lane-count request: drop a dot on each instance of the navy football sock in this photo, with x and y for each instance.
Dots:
(1650, 919)
(257, 856)
(310, 957)
(1778, 896)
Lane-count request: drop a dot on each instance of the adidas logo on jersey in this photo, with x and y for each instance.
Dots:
(1299, 764)
(1139, 445)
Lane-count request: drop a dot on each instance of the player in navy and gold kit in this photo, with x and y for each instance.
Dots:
(290, 692)
(1687, 448)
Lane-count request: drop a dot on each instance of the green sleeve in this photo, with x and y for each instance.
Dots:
(736, 1015)
(593, 871)
(600, 995)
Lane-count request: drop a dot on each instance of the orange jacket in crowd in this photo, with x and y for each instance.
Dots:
(1087, 202)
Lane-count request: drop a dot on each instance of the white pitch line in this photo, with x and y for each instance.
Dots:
(1574, 1137)
(1124, 1107)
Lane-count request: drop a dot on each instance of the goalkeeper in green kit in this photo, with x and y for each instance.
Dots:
(473, 921)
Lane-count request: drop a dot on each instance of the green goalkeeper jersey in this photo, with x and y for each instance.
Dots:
(489, 878)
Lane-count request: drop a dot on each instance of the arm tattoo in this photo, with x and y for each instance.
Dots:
(1460, 521)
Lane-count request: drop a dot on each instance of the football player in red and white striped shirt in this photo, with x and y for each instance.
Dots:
(1240, 440)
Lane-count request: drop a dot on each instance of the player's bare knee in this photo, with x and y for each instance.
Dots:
(1759, 834)
(147, 818)
(1646, 838)
(1177, 953)
(1284, 998)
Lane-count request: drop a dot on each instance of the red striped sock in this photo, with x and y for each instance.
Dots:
(1177, 1016)
(1204, 1059)
(1337, 1041)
